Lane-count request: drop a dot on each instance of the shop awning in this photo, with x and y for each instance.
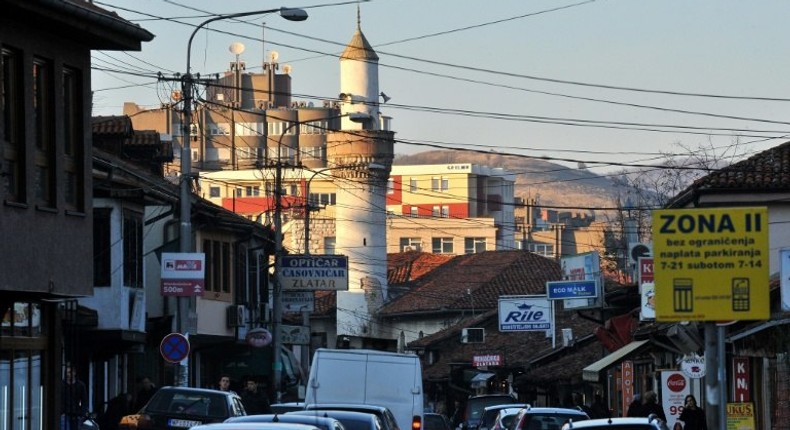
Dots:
(593, 371)
(482, 377)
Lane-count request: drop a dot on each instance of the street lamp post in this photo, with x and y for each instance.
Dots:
(185, 226)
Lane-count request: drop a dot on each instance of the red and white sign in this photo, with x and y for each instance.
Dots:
(741, 380)
(627, 383)
(645, 269)
(183, 274)
(675, 386)
(487, 360)
(647, 289)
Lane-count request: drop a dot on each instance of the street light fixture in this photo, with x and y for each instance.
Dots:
(185, 227)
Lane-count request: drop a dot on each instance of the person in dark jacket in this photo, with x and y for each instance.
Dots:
(75, 400)
(693, 416)
(650, 406)
(118, 407)
(599, 407)
(635, 407)
(255, 399)
(147, 390)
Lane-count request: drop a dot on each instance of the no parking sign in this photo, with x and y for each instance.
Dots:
(174, 347)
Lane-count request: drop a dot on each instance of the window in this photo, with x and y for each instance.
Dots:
(544, 249)
(44, 136)
(442, 245)
(102, 243)
(330, 243)
(440, 184)
(73, 147)
(218, 265)
(314, 127)
(413, 185)
(445, 211)
(214, 192)
(252, 191)
(238, 192)
(275, 128)
(132, 249)
(474, 245)
(410, 244)
(390, 186)
(314, 152)
(414, 212)
(322, 199)
(435, 211)
(13, 126)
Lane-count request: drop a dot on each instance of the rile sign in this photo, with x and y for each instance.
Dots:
(524, 313)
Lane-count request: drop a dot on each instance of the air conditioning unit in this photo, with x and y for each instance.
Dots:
(473, 335)
(407, 248)
(235, 316)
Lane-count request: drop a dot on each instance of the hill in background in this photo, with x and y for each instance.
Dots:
(555, 184)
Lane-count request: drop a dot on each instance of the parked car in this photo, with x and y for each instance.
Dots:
(254, 426)
(649, 423)
(387, 418)
(547, 418)
(323, 423)
(433, 421)
(184, 407)
(475, 406)
(351, 420)
(281, 408)
(490, 414)
(505, 419)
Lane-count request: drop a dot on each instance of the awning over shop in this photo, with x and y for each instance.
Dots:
(592, 372)
(481, 379)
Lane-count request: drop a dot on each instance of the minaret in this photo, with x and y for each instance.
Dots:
(361, 154)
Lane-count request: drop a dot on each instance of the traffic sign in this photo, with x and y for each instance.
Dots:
(711, 264)
(174, 347)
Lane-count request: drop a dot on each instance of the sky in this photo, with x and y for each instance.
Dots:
(610, 83)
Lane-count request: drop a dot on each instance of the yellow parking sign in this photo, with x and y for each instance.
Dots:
(711, 264)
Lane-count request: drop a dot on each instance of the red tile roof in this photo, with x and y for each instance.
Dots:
(476, 281)
(112, 125)
(767, 171)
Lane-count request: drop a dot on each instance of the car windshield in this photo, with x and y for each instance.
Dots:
(476, 405)
(549, 422)
(188, 403)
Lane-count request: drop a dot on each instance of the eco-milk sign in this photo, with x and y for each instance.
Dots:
(711, 264)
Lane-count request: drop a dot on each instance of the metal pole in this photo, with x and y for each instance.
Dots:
(712, 385)
(720, 335)
(185, 227)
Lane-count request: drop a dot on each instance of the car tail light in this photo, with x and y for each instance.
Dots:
(145, 422)
(416, 423)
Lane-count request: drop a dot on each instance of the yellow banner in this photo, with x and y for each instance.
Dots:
(711, 264)
(740, 416)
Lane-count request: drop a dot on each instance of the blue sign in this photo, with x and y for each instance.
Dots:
(570, 290)
(174, 347)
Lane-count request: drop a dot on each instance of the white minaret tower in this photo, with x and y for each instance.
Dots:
(361, 156)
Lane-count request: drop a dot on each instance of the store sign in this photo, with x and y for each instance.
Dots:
(524, 313)
(487, 360)
(313, 272)
(647, 289)
(693, 366)
(740, 379)
(183, 274)
(627, 383)
(740, 416)
(675, 386)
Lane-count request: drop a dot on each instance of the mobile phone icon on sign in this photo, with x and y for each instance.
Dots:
(683, 300)
(740, 295)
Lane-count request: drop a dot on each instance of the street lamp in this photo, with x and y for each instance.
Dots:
(185, 227)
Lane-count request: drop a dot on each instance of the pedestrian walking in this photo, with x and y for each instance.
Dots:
(650, 406)
(254, 398)
(635, 407)
(693, 416)
(74, 395)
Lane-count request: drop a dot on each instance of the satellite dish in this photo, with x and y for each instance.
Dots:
(287, 69)
(274, 56)
(236, 48)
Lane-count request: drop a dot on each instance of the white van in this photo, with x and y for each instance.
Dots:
(363, 376)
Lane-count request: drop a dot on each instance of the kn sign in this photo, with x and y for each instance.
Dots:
(711, 264)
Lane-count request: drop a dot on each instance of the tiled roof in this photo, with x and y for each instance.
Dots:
(768, 171)
(112, 125)
(144, 138)
(408, 266)
(476, 281)
(517, 348)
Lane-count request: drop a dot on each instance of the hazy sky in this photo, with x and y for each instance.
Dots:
(487, 74)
